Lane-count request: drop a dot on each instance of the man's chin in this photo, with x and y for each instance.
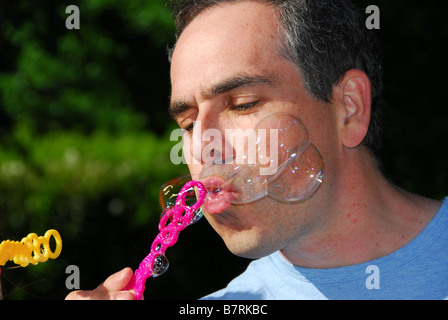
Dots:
(245, 249)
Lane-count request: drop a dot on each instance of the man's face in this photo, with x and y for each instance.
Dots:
(221, 46)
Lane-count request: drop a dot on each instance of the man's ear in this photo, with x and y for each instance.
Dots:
(354, 103)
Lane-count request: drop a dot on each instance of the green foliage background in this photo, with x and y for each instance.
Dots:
(84, 136)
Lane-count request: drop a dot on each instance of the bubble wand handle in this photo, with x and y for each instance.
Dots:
(171, 224)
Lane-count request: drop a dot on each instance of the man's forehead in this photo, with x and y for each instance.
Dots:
(225, 46)
(231, 22)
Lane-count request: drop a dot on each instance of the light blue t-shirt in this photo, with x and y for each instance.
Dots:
(419, 270)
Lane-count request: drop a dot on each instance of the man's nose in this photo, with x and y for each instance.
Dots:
(209, 145)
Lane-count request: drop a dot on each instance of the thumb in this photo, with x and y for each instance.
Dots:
(117, 281)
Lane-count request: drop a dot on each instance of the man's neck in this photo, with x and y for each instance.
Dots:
(367, 219)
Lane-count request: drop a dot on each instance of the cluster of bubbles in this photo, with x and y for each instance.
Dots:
(283, 165)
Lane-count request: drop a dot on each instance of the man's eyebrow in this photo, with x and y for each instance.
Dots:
(242, 80)
(235, 82)
(178, 107)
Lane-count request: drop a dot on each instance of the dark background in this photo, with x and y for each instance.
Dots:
(84, 137)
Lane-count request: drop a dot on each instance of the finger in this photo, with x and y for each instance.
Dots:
(117, 281)
(111, 289)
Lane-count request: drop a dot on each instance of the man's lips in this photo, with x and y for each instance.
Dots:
(219, 195)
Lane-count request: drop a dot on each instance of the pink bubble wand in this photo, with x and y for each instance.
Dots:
(171, 224)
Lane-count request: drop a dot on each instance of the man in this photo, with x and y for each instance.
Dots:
(359, 236)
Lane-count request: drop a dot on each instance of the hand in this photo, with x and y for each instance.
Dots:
(111, 289)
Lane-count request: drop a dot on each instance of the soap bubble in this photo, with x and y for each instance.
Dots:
(299, 170)
(300, 176)
(160, 266)
(169, 191)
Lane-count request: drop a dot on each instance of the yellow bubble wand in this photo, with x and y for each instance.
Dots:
(31, 249)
